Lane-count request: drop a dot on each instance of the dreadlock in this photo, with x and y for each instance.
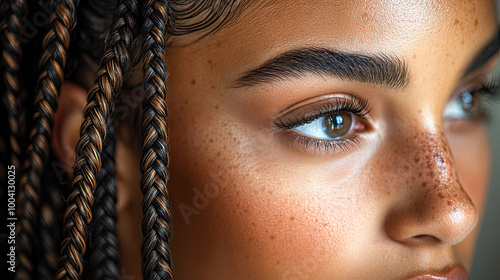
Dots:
(89, 208)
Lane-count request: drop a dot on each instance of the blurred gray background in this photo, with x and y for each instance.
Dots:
(486, 264)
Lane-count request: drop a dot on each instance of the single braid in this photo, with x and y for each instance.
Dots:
(156, 224)
(50, 232)
(108, 81)
(11, 59)
(52, 63)
(104, 256)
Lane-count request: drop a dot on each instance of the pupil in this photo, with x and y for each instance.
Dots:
(337, 126)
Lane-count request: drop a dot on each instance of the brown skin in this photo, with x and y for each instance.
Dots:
(403, 202)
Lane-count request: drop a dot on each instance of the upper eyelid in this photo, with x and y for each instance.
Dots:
(483, 84)
(360, 107)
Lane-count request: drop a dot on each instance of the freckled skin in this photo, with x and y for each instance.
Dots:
(401, 203)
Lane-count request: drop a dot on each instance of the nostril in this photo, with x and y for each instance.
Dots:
(425, 239)
(442, 217)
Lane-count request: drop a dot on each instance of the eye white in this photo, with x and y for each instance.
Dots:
(455, 109)
(318, 129)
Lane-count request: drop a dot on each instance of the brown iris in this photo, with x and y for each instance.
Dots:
(338, 125)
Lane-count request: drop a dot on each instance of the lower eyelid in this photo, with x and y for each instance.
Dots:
(319, 146)
(474, 119)
(479, 114)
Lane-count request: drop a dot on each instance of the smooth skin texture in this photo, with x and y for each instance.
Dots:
(249, 203)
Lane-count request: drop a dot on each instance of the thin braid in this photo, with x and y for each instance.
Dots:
(108, 81)
(104, 256)
(50, 232)
(156, 226)
(52, 64)
(11, 59)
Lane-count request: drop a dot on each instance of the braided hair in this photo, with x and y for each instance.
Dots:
(52, 63)
(156, 260)
(71, 233)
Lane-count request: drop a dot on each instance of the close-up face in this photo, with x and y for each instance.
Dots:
(322, 140)
(331, 140)
(249, 139)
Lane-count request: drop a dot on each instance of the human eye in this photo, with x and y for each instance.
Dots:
(470, 105)
(329, 125)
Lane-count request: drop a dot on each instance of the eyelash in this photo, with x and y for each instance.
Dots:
(358, 107)
(326, 146)
(487, 91)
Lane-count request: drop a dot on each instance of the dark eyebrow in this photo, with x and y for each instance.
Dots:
(383, 70)
(484, 55)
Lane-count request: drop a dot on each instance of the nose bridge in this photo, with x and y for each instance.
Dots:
(434, 203)
(435, 169)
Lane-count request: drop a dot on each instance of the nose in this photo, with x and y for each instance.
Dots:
(433, 208)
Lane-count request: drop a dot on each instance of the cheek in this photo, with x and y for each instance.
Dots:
(283, 230)
(233, 208)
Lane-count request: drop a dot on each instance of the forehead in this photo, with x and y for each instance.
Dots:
(353, 23)
(444, 31)
(356, 23)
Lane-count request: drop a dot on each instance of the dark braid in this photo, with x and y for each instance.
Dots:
(50, 231)
(108, 81)
(156, 226)
(40, 208)
(52, 64)
(11, 59)
(104, 256)
(4, 137)
(103, 253)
